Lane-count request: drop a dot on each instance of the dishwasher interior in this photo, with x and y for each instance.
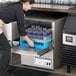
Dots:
(45, 29)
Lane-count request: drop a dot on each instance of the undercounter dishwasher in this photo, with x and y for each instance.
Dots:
(45, 29)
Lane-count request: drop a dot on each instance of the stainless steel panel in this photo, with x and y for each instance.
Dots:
(11, 31)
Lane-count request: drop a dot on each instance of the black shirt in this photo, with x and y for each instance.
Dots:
(14, 12)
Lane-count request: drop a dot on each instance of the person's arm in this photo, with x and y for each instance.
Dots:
(20, 22)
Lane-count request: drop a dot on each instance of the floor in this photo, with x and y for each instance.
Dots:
(63, 69)
(29, 72)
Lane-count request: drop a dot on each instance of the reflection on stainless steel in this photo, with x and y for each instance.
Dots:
(21, 49)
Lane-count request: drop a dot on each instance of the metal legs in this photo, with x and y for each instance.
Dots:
(68, 69)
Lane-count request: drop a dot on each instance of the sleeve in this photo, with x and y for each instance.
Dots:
(20, 22)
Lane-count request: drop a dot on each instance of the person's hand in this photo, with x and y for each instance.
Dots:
(29, 41)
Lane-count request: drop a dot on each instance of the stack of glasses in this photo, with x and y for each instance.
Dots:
(57, 2)
(42, 37)
(43, 1)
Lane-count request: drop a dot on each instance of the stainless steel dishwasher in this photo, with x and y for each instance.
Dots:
(49, 57)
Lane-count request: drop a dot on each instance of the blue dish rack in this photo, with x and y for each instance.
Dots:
(37, 45)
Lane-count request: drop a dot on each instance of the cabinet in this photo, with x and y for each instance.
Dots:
(69, 42)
